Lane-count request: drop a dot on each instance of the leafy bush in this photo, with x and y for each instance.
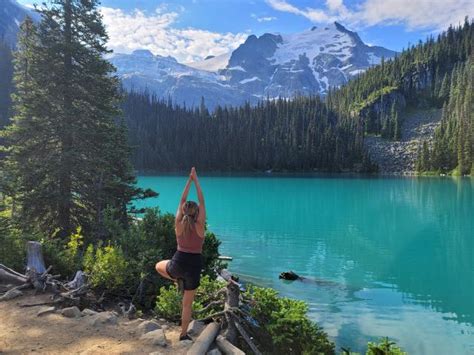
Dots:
(106, 267)
(384, 347)
(66, 258)
(286, 323)
(168, 302)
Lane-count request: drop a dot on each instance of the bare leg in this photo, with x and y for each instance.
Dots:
(188, 299)
(161, 269)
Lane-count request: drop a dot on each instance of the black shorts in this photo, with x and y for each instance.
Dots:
(186, 266)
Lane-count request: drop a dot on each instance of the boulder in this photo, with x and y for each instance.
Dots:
(214, 352)
(195, 328)
(71, 312)
(103, 318)
(155, 337)
(88, 312)
(147, 326)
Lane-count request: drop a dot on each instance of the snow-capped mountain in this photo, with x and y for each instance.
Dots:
(302, 63)
(164, 76)
(271, 65)
(12, 15)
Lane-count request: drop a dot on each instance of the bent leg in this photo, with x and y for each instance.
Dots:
(161, 269)
(188, 299)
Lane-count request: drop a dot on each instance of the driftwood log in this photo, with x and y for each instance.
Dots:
(204, 341)
(37, 276)
(9, 276)
(227, 347)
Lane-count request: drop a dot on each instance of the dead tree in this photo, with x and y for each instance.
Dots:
(37, 276)
(231, 322)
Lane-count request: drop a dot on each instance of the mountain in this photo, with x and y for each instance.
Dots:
(165, 77)
(12, 15)
(272, 65)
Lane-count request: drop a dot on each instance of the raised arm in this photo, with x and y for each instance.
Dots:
(184, 197)
(202, 207)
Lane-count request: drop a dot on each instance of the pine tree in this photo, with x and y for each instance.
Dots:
(6, 73)
(67, 157)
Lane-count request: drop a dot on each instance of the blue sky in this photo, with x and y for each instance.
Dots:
(192, 29)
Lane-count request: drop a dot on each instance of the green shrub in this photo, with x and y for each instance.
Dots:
(106, 267)
(384, 347)
(64, 256)
(286, 323)
(168, 302)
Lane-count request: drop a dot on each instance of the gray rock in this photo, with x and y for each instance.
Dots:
(147, 326)
(135, 322)
(184, 344)
(214, 352)
(45, 310)
(156, 337)
(71, 312)
(88, 312)
(195, 328)
(102, 319)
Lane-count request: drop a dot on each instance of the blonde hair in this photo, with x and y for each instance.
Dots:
(190, 211)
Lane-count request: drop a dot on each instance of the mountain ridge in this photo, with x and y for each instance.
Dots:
(268, 66)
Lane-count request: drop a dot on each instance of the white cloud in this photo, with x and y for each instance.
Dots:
(263, 18)
(413, 14)
(156, 32)
(266, 19)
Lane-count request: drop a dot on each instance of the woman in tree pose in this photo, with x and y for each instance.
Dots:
(185, 266)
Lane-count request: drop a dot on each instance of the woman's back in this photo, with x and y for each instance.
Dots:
(189, 241)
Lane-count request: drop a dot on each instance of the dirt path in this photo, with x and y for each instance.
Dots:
(23, 332)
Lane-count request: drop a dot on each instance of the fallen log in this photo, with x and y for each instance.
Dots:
(204, 341)
(227, 347)
(8, 278)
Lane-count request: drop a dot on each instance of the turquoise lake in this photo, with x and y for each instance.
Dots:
(386, 256)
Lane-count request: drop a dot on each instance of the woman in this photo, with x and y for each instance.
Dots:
(185, 266)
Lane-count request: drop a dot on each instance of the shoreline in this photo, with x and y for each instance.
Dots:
(297, 174)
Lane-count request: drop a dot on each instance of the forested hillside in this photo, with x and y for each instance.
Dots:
(313, 134)
(6, 72)
(299, 134)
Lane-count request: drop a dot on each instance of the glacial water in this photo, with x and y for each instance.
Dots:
(383, 256)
